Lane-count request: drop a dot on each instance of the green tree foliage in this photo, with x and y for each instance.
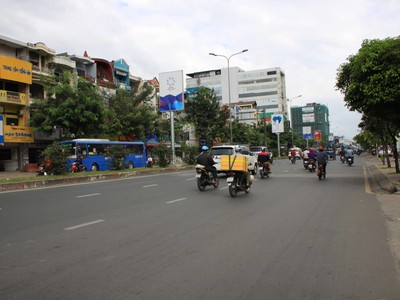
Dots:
(117, 157)
(163, 155)
(73, 105)
(370, 82)
(56, 154)
(204, 111)
(131, 113)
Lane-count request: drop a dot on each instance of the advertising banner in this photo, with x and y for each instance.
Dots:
(307, 132)
(171, 91)
(277, 123)
(317, 135)
(18, 134)
(308, 118)
(15, 70)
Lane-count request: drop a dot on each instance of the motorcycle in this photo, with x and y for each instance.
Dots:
(41, 171)
(293, 159)
(342, 159)
(263, 170)
(350, 160)
(238, 182)
(311, 165)
(76, 167)
(205, 178)
(320, 172)
(305, 163)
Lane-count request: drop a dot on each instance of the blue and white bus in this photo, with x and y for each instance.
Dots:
(95, 154)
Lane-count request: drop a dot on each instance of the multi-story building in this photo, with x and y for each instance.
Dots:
(265, 87)
(16, 74)
(309, 119)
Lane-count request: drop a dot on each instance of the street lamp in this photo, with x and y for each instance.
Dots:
(229, 88)
(290, 111)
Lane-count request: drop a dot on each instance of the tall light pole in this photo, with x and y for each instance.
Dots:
(229, 89)
(290, 111)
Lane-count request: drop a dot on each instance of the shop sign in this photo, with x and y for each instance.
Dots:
(18, 134)
(15, 70)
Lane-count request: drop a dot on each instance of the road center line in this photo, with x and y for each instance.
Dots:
(88, 195)
(177, 200)
(83, 225)
(150, 185)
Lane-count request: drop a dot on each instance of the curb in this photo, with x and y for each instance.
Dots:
(40, 183)
(382, 180)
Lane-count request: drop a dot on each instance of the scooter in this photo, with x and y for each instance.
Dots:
(263, 170)
(311, 165)
(238, 182)
(75, 168)
(342, 159)
(321, 172)
(350, 160)
(205, 178)
(305, 163)
(293, 159)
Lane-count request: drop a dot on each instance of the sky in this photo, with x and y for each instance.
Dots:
(308, 39)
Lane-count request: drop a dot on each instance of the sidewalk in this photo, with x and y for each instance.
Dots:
(385, 177)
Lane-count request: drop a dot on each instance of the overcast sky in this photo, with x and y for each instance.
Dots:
(308, 39)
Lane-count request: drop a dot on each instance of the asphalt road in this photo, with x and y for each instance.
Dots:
(158, 237)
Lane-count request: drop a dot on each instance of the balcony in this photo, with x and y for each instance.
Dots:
(12, 97)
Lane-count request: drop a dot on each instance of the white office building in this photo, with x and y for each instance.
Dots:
(266, 88)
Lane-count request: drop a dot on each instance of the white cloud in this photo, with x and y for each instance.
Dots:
(308, 39)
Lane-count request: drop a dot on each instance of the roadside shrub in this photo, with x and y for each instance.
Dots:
(189, 154)
(163, 155)
(117, 157)
(55, 159)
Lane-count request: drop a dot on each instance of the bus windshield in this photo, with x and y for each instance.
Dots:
(95, 155)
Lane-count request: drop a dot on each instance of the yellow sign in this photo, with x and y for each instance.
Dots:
(15, 70)
(18, 134)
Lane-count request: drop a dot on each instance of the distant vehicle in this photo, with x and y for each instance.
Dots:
(217, 151)
(257, 149)
(331, 153)
(95, 156)
(298, 152)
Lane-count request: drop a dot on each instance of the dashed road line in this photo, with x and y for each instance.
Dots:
(83, 225)
(177, 200)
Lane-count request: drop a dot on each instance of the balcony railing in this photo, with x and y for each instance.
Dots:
(12, 97)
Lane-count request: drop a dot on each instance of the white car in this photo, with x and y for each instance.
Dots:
(217, 151)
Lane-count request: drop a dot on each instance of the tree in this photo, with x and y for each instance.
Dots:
(370, 82)
(204, 111)
(74, 105)
(130, 113)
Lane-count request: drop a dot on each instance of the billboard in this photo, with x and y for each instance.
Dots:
(1, 131)
(277, 123)
(308, 118)
(307, 132)
(15, 70)
(171, 91)
(317, 135)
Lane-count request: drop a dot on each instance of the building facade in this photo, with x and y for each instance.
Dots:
(22, 69)
(265, 87)
(311, 118)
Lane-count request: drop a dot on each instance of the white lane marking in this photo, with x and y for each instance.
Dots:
(83, 225)
(177, 200)
(223, 188)
(150, 185)
(194, 178)
(88, 195)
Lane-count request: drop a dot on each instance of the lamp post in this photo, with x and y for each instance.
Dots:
(229, 88)
(290, 111)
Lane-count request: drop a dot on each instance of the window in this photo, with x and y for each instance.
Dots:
(5, 154)
(12, 121)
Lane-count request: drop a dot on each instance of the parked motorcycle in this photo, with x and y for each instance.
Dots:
(41, 171)
(350, 160)
(311, 165)
(76, 167)
(263, 170)
(205, 178)
(238, 182)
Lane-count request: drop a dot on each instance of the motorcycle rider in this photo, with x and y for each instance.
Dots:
(322, 157)
(208, 162)
(264, 159)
